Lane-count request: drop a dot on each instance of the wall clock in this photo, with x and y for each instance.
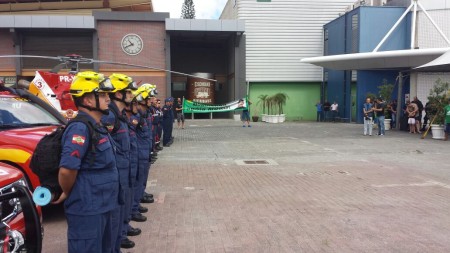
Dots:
(132, 44)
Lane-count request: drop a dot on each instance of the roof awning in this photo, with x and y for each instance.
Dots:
(440, 64)
(397, 59)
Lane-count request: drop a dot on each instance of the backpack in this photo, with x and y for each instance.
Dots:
(47, 155)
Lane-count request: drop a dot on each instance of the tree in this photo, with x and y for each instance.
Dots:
(188, 10)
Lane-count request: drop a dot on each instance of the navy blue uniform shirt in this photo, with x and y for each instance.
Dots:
(96, 188)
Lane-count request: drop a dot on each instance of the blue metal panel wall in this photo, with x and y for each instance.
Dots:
(339, 82)
(375, 22)
(368, 81)
(336, 36)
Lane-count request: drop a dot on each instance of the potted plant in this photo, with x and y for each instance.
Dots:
(262, 100)
(280, 99)
(385, 91)
(437, 101)
(271, 104)
(255, 114)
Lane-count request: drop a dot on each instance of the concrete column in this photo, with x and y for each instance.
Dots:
(413, 85)
(168, 67)
(95, 50)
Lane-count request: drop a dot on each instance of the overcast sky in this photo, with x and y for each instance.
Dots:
(204, 9)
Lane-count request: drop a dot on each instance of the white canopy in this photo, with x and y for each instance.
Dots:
(440, 64)
(396, 59)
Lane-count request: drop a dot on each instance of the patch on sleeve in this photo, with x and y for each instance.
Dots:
(75, 153)
(78, 139)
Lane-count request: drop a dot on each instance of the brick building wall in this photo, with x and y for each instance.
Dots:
(110, 34)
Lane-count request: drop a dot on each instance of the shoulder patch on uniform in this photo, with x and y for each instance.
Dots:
(78, 139)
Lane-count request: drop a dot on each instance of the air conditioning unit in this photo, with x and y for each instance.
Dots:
(378, 2)
(369, 3)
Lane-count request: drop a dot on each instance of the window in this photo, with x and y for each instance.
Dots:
(179, 86)
(355, 33)
(263, 0)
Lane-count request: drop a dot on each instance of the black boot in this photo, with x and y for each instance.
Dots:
(127, 243)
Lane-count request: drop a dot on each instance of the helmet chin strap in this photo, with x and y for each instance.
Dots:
(97, 106)
(124, 96)
(131, 109)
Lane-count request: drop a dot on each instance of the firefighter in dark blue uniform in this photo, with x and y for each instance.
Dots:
(159, 130)
(155, 122)
(133, 123)
(145, 95)
(145, 140)
(117, 125)
(89, 178)
(167, 120)
(172, 119)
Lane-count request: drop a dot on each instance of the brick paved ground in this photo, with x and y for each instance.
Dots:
(327, 188)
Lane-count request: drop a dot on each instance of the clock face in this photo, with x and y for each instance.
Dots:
(132, 44)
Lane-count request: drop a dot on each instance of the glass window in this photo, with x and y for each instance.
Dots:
(20, 112)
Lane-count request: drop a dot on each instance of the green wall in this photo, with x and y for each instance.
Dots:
(353, 92)
(300, 104)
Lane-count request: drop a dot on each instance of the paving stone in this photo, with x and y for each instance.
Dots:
(331, 189)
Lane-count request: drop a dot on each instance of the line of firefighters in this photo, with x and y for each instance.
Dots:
(104, 175)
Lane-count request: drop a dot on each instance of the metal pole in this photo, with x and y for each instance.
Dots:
(399, 100)
(393, 28)
(413, 29)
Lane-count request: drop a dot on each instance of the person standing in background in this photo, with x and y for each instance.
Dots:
(319, 111)
(368, 117)
(418, 114)
(326, 110)
(379, 110)
(447, 119)
(334, 110)
(393, 111)
(180, 115)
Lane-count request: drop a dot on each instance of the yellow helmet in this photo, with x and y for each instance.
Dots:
(143, 92)
(150, 89)
(140, 95)
(122, 82)
(153, 91)
(90, 81)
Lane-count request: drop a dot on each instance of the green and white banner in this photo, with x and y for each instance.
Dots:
(190, 106)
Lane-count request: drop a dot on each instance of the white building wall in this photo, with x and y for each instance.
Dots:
(435, 4)
(281, 32)
(426, 82)
(428, 36)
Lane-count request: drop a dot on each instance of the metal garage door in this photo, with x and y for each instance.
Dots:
(54, 43)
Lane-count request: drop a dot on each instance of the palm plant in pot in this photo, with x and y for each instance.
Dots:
(262, 100)
(280, 99)
(271, 109)
(437, 101)
(255, 113)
